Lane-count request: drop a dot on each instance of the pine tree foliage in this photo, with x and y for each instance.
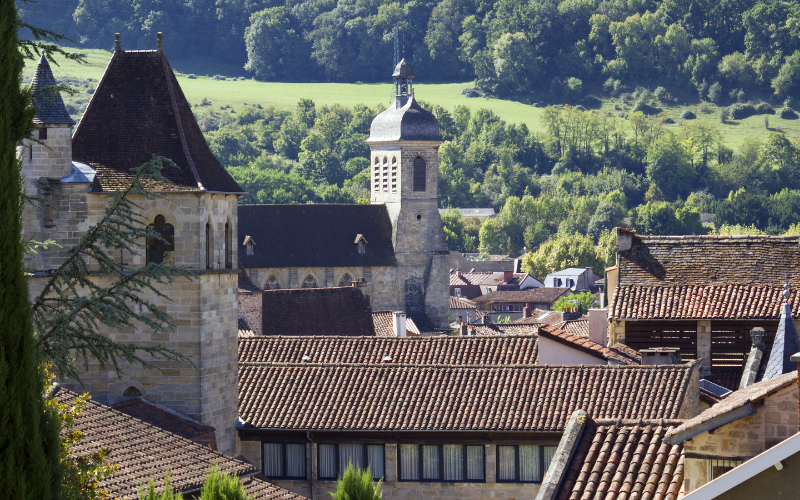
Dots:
(220, 485)
(150, 492)
(92, 289)
(29, 442)
(357, 484)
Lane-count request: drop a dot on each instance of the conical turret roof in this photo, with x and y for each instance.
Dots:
(50, 106)
(786, 343)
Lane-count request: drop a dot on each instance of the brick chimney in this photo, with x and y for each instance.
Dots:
(526, 311)
(570, 314)
(462, 329)
(470, 330)
(507, 276)
(399, 323)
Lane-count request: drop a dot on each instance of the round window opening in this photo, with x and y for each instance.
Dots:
(419, 217)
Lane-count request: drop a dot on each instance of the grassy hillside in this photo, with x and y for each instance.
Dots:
(235, 93)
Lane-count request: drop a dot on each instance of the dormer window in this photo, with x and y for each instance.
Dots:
(361, 243)
(249, 243)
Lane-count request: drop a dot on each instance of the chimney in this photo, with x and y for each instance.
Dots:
(598, 326)
(462, 329)
(399, 323)
(458, 272)
(507, 276)
(570, 314)
(753, 362)
(661, 356)
(470, 330)
(526, 311)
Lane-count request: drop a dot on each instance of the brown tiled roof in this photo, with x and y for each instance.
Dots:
(258, 487)
(142, 450)
(456, 303)
(705, 277)
(494, 330)
(585, 345)
(138, 110)
(315, 236)
(459, 261)
(183, 427)
(384, 326)
(577, 327)
(244, 329)
(700, 302)
(540, 317)
(316, 311)
(624, 460)
(464, 279)
(406, 397)
(541, 294)
(440, 350)
(742, 397)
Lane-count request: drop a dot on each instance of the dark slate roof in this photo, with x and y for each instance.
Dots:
(624, 459)
(407, 397)
(138, 110)
(705, 277)
(316, 311)
(785, 345)
(404, 120)
(315, 236)
(50, 106)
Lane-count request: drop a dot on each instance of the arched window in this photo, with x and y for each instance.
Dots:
(228, 246)
(159, 250)
(419, 174)
(208, 245)
(346, 280)
(272, 283)
(309, 282)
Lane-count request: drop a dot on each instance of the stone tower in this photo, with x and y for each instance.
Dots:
(138, 110)
(404, 143)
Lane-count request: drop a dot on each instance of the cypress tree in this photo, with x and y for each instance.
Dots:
(29, 441)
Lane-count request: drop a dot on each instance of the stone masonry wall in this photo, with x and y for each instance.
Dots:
(249, 308)
(774, 419)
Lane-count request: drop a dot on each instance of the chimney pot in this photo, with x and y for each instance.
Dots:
(462, 329)
(117, 45)
(757, 336)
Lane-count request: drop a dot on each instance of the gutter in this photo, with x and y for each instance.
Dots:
(713, 423)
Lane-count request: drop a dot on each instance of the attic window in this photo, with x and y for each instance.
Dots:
(361, 243)
(249, 243)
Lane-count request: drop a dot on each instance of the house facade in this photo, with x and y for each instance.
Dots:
(702, 294)
(577, 279)
(444, 416)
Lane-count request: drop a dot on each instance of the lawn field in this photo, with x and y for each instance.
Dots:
(235, 93)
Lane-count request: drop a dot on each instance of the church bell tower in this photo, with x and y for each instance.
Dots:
(404, 144)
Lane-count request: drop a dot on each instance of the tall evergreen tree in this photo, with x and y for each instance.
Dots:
(29, 441)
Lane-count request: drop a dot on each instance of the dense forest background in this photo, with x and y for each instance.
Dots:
(603, 70)
(714, 49)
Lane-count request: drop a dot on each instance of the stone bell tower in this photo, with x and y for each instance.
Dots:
(404, 143)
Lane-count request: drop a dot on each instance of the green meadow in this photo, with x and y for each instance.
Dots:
(235, 92)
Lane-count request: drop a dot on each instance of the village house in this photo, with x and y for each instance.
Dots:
(510, 305)
(474, 284)
(468, 416)
(394, 248)
(577, 279)
(701, 294)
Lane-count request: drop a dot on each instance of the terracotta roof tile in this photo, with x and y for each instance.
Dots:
(464, 279)
(751, 394)
(141, 450)
(705, 277)
(168, 421)
(512, 329)
(624, 459)
(456, 303)
(244, 329)
(258, 487)
(384, 325)
(540, 317)
(138, 110)
(541, 295)
(316, 311)
(441, 350)
(585, 345)
(577, 327)
(409, 397)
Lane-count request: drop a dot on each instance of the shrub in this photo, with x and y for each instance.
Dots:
(688, 115)
(787, 113)
(715, 92)
(220, 485)
(471, 92)
(669, 121)
(660, 93)
(646, 108)
(763, 108)
(704, 108)
(739, 111)
(218, 77)
(622, 115)
(592, 102)
(191, 76)
(356, 484)
(724, 114)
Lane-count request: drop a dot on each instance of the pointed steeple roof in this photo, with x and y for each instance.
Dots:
(786, 343)
(51, 107)
(139, 110)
